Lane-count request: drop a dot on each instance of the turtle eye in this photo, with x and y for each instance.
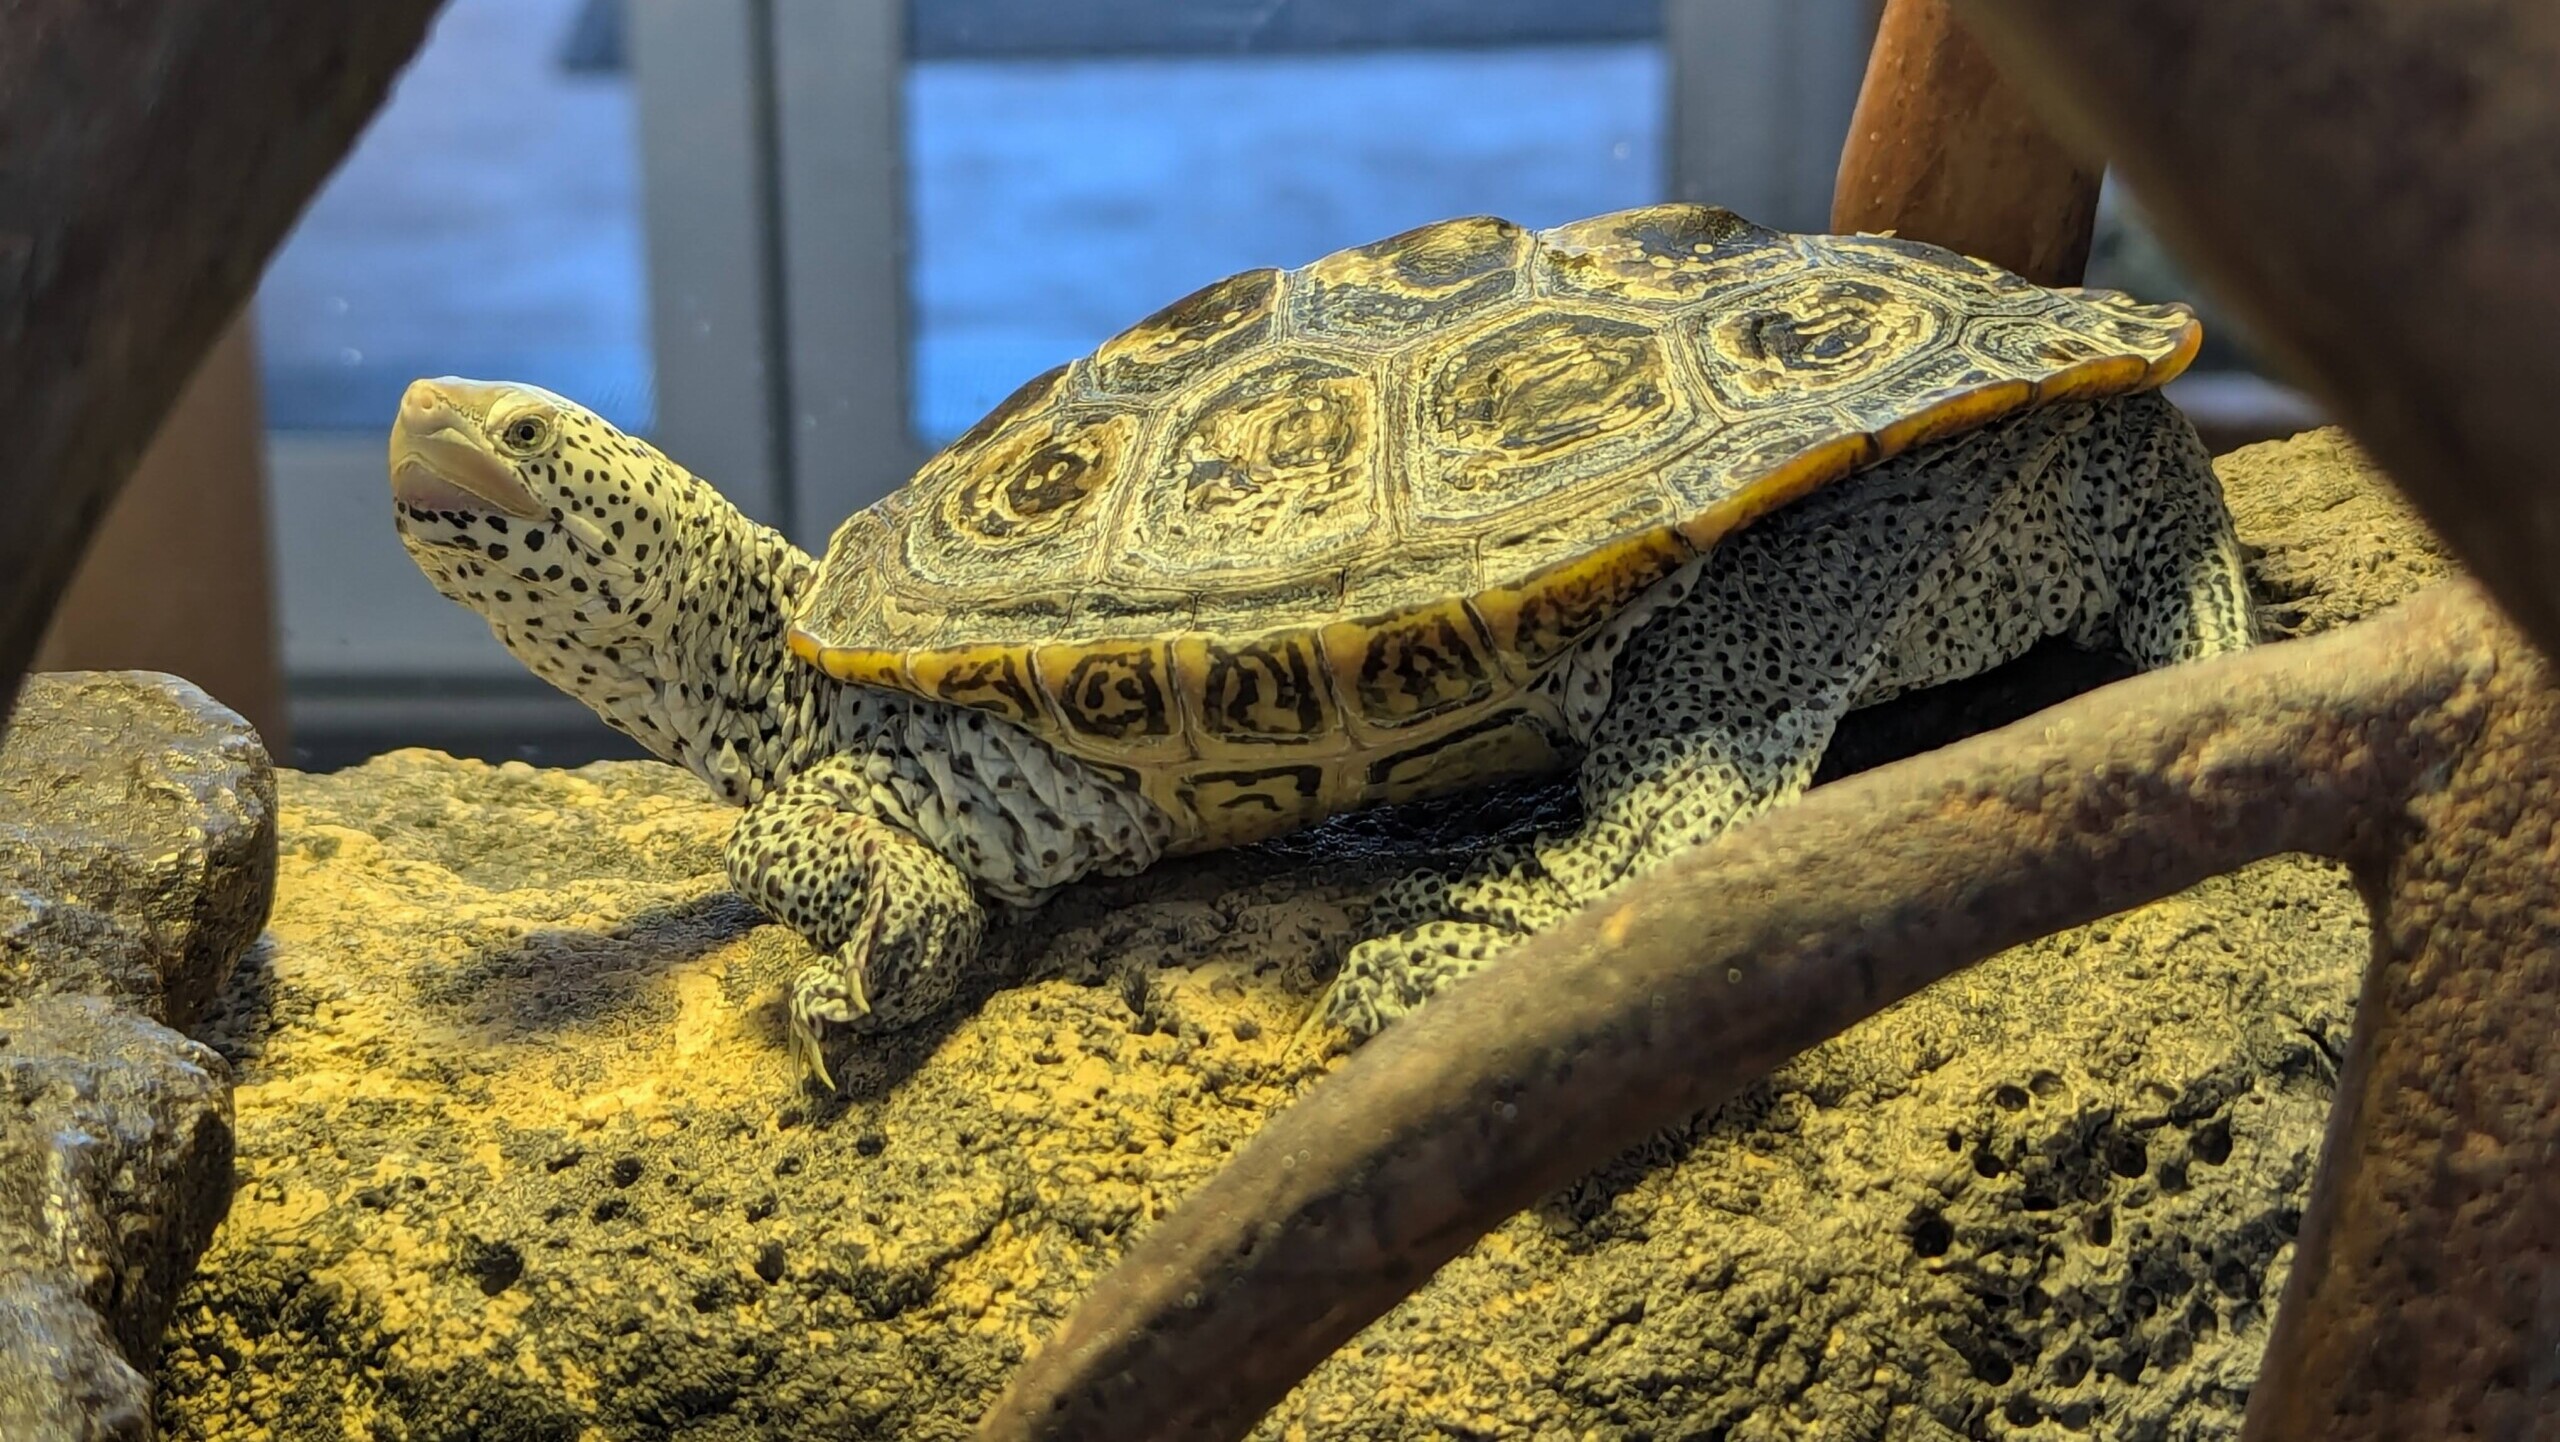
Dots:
(526, 434)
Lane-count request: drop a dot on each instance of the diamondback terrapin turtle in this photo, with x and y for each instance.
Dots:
(1468, 503)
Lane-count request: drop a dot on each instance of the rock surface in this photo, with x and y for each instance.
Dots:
(137, 862)
(144, 800)
(521, 1156)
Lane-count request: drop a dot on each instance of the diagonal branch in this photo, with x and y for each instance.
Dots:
(157, 152)
(1730, 960)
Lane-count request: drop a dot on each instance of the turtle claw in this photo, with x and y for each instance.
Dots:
(808, 1060)
(1317, 1037)
(839, 993)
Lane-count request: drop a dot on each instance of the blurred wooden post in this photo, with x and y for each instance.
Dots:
(177, 576)
(1942, 149)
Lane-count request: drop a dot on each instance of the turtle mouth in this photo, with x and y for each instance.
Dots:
(438, 462)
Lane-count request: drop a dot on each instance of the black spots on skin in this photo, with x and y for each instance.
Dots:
(533, 540)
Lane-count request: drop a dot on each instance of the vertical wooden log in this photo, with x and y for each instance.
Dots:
(1943, 149)
(177, 578)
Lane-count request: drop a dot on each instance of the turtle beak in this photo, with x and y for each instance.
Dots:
(439, 462)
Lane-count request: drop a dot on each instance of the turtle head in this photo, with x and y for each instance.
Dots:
(564, 533)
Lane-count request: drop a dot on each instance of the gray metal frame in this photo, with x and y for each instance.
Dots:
(1761, 94)
(840, 104)
(704, 93)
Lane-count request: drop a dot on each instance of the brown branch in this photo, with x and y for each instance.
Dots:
(1730, 960)
(1943, 149)
(2369, 184)
(157, 152)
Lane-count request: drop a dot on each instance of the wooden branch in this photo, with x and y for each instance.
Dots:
(157, 152)
(2369, 185)
(1943, 149)
(1728, 961)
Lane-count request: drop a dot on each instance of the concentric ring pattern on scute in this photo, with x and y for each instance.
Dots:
(1309, 531)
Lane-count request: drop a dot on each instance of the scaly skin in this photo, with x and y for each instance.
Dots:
(875, 822)
(2103, 523)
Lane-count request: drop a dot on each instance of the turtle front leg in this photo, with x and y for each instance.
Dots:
(892, 919)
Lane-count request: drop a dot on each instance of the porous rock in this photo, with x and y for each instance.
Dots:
(143, 800)
(115, 1166)
(522, 1155)
(137, 862)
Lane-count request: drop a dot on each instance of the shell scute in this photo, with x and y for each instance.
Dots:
(1508, 743)
(1191, 336)
(1035, 480)
(996, 679)
(1117, 698)
(1661, 254)
(1243, 805)
(1422, 279)
(1510, 413)
(1785, 344)
(1254, 695)
(1413, 667)
(1537, 621)
(1280, 465)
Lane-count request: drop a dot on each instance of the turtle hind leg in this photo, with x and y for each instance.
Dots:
(1727, 751)
(2154, 510)
(892, 919)
(2110, 527)
(1724, 706)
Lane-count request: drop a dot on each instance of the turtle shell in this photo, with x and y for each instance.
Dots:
(1304, 540)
